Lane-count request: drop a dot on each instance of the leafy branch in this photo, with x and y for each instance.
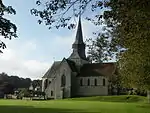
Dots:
(7, 28)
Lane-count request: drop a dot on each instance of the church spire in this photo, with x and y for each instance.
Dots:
(78, 54)
(78, 46)
(79, 36)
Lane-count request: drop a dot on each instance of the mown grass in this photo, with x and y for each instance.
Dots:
(78, 105)
(121, 98)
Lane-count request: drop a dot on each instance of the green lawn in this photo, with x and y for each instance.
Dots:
(107, 104)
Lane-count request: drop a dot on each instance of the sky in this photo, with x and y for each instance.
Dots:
(36, 48)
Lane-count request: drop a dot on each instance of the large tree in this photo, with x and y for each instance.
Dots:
(7, 28)
(134, 35)
(130, 23)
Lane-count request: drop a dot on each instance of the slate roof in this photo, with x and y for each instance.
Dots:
(97, 69)
(51, 71)
(71, 65)
(55, 66)
(79, 36)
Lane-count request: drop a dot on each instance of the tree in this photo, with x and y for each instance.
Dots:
(15, 81)
(7, 28)
(103, 48)
(24, 92)
(37, 83)
(131, 28)
(7, 88)
(57, 13)
(115, 83)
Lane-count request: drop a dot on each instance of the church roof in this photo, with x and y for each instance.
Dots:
(71, 65)
(79, 36)
(52, 70)
(97, 69)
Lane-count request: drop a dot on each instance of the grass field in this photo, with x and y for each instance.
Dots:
(103, 104)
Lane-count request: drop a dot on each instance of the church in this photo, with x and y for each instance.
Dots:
(75, 76)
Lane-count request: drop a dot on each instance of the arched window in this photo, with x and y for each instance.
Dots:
(81, 82)
(52, 93)
(63, 80)
(88, 82)
(103, 82)
(45, 83)
(95, 82)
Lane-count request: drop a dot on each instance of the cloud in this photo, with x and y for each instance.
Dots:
(19, 58)
(30, 46)
(88, 29)
(13, 64)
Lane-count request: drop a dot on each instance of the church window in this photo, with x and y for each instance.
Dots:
(46, 83)
(52, 93)
(95, 82)
(81, 82)
(88, 82)
(63, 80)
(103, 82)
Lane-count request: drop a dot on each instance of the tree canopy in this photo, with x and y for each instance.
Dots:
(58, 13)
(133, 33)
(15, 81)
(7, 28)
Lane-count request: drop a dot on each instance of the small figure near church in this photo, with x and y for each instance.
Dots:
(76, 76)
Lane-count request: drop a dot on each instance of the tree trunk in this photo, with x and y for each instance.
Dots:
(148, 96)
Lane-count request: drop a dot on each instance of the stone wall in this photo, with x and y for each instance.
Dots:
(92, 89)
(63, 91)
(50, 90)
(43, 86)
(43, 83)
(55, 89)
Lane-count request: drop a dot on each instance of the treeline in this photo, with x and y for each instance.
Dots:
(18, 82)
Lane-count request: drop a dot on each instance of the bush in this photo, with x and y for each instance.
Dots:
(24, 93)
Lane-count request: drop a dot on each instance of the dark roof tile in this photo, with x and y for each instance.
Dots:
(97, 69)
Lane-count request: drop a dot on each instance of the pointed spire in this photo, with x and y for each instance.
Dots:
(78, 55)
(79, 36)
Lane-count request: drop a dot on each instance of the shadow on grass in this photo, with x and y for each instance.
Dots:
(145, 106)
(30, 109)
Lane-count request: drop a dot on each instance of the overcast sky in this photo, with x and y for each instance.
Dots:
(34, 51)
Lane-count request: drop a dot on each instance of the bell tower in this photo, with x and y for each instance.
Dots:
(78, 54)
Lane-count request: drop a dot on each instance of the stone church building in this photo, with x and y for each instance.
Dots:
(75, 76)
